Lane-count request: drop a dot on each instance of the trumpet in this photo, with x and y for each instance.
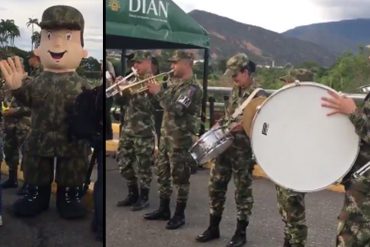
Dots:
(115, 88)
(142, 86)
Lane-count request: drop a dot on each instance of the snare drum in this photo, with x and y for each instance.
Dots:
(211, 144)
(297, 145)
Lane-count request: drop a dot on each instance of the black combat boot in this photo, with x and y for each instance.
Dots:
(132, 197)
(178, 218)
(213, 230)
(23, 190)
(143, 201)
(162, 213)
(240, 235)
(12, 181)
(69, 203)
(34, 202)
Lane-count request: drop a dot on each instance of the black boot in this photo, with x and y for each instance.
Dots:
(23, 190)
(133, 195)
(69, 203)
(178, 218)
(143, 201)
(34, 202)
(12, 181)
(213, 230)
(163, 212)
(240, 235)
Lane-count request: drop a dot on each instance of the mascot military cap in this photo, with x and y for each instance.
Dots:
(60, 17)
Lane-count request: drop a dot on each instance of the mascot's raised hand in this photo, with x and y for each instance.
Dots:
(13, 72)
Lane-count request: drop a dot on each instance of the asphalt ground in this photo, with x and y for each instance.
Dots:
(127, 228)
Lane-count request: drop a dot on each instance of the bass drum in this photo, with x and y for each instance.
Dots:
(297, 145)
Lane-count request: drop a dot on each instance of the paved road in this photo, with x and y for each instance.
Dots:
(46, 230)
(126, 228)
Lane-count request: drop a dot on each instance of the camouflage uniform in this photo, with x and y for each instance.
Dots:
(181, 103)
(354, 219)
(291, 204)
(292, 210)
(50, 96)
(237, 161)
(16, 129)
(135, 152)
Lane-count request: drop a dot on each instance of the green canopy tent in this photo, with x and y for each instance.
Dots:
(155, 24)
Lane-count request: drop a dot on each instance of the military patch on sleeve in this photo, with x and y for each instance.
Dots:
(184, 101)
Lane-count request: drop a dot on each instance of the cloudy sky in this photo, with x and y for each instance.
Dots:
(281, 15)
(92, 10)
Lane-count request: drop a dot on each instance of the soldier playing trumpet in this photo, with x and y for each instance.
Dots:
(136, 146)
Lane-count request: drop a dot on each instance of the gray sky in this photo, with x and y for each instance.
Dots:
(92, 10)
(281, 15)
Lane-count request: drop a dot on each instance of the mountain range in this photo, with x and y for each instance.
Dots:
(320, 43)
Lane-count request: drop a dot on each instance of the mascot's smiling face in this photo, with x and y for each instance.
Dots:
(60, 50)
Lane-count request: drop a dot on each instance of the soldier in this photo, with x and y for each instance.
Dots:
(17, 122)
(136, 146)
(181, 102)
(51, 96)
(236, 160)
(291, 204)
(354, 219)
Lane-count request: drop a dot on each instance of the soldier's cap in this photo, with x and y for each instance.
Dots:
(62, 17)
(297, 74)
(179, 55)
(238, 62)
(139, 56)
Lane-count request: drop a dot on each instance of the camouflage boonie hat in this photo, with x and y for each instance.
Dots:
(181, 55)
(139, 56)
(297, 75)
(236, 63)
(62, 16)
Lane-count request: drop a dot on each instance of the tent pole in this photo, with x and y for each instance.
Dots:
(123, 61)
(203, 115)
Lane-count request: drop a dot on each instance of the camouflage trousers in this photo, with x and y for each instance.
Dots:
(354, 219)
(13, 141)
(238, 163)
(173, 167)
(70, 171)
(292, 210)
(135, 160)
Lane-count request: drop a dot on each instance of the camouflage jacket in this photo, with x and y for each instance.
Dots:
(361, 120)
(139, 114)
(50, 97)
(181, 102)
(238, 96)
(21, 117)
(35, 72)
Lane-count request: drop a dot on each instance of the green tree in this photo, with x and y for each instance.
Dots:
(31, 22)
(349, 72)
(8, 32)
(36, 38)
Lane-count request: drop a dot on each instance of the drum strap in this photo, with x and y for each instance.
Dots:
(239, 110)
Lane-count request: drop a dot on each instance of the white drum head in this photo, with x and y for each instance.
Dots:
(297, 144)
